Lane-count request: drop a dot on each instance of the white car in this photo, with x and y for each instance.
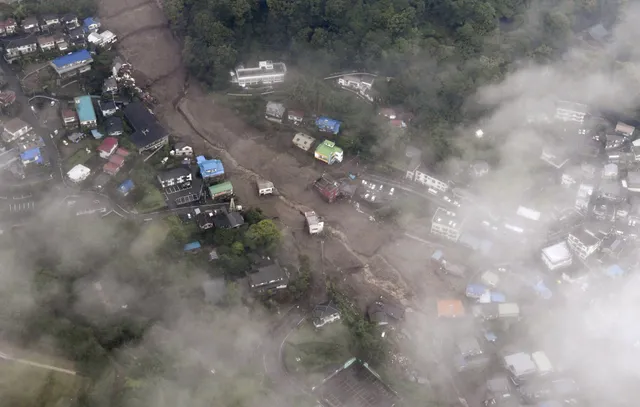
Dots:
(447, 199)
(65, 142)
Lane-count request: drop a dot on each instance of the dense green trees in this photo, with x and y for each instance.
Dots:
(437, 51)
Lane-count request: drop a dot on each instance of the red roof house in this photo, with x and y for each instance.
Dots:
(122, 152)
(69, 117)
(108, 147)
(117, 160)
(111, 168)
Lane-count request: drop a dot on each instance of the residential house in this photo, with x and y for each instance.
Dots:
(181, 149)
(69, 118)
(14, 129)
(221, 190)
(32, 156)
(76, 36)
(107, 147)
(446, 224)
(110, 85)
(266, 73)
(224, 219)
(91, 24)
(265, 188)
(611, 190)
(397, 124)
(116, 161)
(315, 225)
(51, 20)
(76, 137)
(107, 108)
(94, 39)
(114, 126)
(179, 176)
(22, 46)
(8, 27)
(62, 46)
(30, 25)
(86, 113)
(569, 111)
(554, 156)
(295, 116)
(70, 21)
(411, 162)
(46, 43)
(324, 314)
(7, 97)
(328, 152)
(107, 38)
(267, 278)
(624, 129)
(126, 187)
(73, 63)
(275, 112)
(610, 171)
(583, 242)
(360, 84)
(388, 113)
(633, 181)
(78, 173)
(210, 169)
(614, 142)
(204, 220)
(149, 134)
(383, 313)
(303, 141)
(557, 256)
(328, 125)
(429, 181)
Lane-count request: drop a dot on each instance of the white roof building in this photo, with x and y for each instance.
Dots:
(314, 223)
(78, 173)
(446, 224)
(557, 256)
(520, 364)
(543, 364)
(267, 72)
(528, 213)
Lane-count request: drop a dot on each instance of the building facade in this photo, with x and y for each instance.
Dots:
(446, 224)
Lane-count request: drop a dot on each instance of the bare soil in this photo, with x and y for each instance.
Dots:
(352, 246)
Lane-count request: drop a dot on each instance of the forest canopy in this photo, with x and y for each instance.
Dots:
(437, 51)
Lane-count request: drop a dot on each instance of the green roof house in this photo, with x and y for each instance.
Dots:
(328, 152)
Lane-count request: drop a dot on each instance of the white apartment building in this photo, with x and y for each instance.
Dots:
(557, 256)
(427, 180)
(14, 129)
(569, 111)
(583, 242)
(446, 224)
(266, 73)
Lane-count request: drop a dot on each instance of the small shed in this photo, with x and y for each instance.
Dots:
(476, 290)
(265, 188)
(192, 247)
(126, 187)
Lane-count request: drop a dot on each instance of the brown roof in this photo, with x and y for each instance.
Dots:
(122, 152)
(45, 40)
(68, 113)
(117, 160)
(14, 125)
(110, 168)
(450, 308)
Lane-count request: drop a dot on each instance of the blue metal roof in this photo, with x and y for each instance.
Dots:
(437, 255)
(72, 58)
(96, 134)
(475, 290)
(126, 186)
(84, 107)
(498, 297)
(210, 168)
(192, 246)
(88, 21)
(327, 124)
(32, 155)
(542, 290)
(615, 271)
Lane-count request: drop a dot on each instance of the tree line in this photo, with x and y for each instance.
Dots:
(439, 52)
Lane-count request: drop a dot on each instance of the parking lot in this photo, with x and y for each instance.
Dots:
(23, 206)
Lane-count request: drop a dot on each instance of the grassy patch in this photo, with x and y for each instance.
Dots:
(152, 200)
(23, 385)
(79, 157)
(311, 351)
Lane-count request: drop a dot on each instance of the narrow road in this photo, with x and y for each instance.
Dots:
(36, 364)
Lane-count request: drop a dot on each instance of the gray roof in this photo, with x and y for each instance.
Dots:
(173, 173)
(266, 275)
(598, 32)
(325, 309)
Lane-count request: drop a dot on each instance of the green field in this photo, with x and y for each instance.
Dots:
(310, 352)
(27, 386)
(79, 157)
